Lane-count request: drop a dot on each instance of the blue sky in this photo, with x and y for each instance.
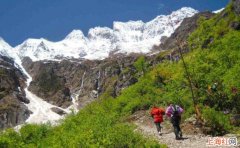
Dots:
(54, 19)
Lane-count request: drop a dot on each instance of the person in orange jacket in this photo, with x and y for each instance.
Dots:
(157, 114)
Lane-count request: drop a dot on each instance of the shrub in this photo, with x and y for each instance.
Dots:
(217, 121)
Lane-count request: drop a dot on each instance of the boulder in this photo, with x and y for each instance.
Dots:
(235, 120)
(235, 25)
(58, 111)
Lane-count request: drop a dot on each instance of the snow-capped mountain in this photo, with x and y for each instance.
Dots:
(7, 50)
(124, 37)
(4, 47)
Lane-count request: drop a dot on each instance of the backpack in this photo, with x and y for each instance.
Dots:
(175, 110)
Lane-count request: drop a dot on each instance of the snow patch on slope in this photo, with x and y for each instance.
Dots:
(218, 11)
(42, 112)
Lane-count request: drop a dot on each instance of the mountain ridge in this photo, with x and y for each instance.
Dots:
(123, 37)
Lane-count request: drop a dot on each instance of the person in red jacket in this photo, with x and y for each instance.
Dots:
(157, 114)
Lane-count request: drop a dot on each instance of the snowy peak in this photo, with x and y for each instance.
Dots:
(4, 47)
(4, 44)
(184, 10)
(124, 37)
(100, 33)
(75, 35)
(7, 50)
(127, 26)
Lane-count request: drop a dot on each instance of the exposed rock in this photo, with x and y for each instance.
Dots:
(56, 82)
(235, 25)
(12, 112)
(191, 120)
(236, 6)
(164, 39)
(12, 95)
(235, 120)
(58, 111)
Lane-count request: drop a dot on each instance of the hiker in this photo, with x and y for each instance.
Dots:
(174, 112)
(157, 115)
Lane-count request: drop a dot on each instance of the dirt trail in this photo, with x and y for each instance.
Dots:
(192, 137)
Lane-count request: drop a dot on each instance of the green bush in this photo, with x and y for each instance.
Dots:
(141, 65)
(33, 134)
(217, 121)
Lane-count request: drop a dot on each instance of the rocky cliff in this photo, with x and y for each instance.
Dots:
(12, 96)
(236, 6)
(58, 82)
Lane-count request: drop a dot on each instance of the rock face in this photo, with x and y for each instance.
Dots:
(58, 82)
(236, 6)
(12, 96)
(235, 25)
(58, 111)
(48, 82)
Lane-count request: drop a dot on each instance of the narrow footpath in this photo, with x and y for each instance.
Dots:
(192, 137)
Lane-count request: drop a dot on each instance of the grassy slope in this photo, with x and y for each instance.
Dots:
(103, 123)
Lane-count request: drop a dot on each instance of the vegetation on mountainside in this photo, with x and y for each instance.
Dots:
(98, 125)
(141, 65)
(49, 82)
(214, 60)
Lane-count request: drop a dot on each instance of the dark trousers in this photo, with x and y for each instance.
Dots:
(177, 131)
(158, 125)
(176, 125)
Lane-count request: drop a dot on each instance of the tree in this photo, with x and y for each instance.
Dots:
(181, 45)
